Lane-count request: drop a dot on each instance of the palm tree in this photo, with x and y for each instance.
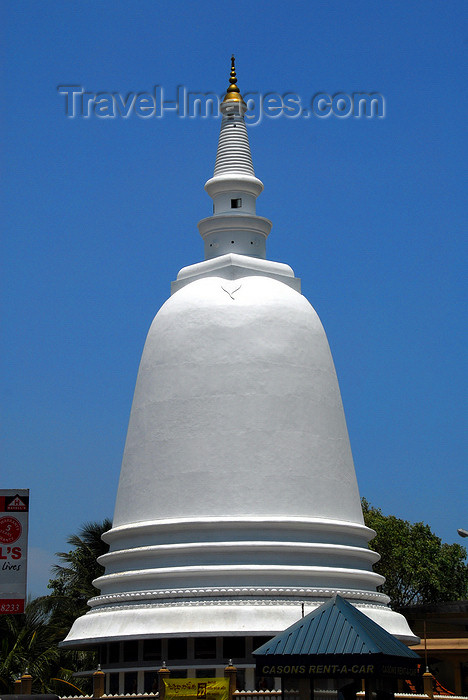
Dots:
(72, 587)
(27, 642)
(30, 640)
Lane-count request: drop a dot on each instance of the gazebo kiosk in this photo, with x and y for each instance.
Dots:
(341, 646)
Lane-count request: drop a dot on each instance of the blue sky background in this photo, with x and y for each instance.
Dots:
(99, 216)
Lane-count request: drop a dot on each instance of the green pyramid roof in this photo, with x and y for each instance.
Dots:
(336, 627)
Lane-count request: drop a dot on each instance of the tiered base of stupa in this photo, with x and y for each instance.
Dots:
(246, 576)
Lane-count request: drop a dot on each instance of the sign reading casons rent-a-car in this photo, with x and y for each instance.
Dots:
(14, 510)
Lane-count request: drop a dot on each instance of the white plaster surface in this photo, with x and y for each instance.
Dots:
(237, 410)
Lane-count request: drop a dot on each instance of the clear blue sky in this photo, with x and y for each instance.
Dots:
(99, 216)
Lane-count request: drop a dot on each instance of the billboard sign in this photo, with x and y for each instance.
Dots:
(14, 511)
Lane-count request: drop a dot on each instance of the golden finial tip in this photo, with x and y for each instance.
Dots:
(233, 92)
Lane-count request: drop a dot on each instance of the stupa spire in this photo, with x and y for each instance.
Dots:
(234, 226)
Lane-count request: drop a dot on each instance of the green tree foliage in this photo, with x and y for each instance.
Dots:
(26, 643)
(30, 641)
(417, 565)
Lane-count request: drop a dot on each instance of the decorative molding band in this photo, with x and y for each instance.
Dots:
(263, 602)
(243, 591)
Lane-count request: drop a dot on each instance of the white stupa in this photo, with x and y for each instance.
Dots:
(238, 502)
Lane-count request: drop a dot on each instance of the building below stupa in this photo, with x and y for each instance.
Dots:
(238, 509)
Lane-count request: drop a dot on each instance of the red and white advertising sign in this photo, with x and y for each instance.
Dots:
(14, 510)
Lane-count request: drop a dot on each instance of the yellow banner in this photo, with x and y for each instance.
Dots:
(193, 688)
